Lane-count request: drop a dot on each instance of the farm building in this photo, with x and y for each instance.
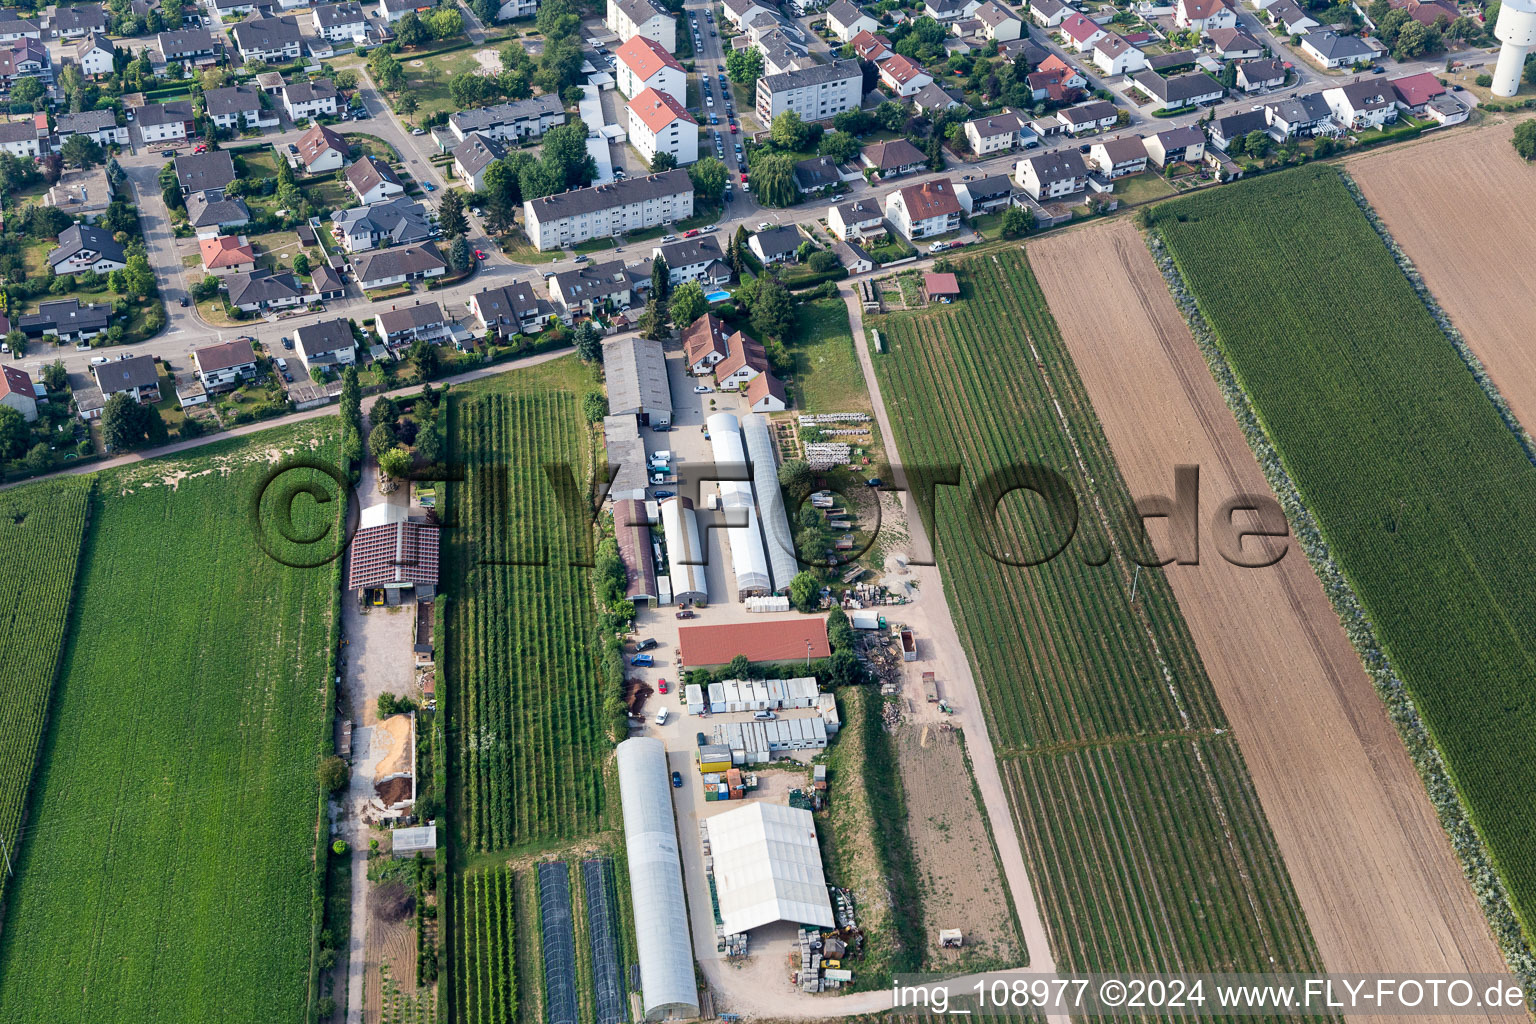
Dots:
(762, 694)
(667, 981)
(408, 842)
(632, 530)
(770, 500)
(760, 742)
(776, 640)
(767, 868)
(394, 551)
(626, 457)
(748, 558)
(636, 370)
(686, 556)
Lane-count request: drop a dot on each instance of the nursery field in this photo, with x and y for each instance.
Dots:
(527, 728)
(1420, 487)
(168, 870)
(484, 976)
(41, 528)
(1094, 700)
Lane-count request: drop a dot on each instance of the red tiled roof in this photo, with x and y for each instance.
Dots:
(1080, 27)
(930, 199)
(15, 382)
(703, 337)
(656, 110)
(900, 69)
(763, 385)
(1054, 63)
(403, 552)
(1196, 10)
(226, 251)
(783, 639)
(941, 284)
(1416, 90)
(645, 57)
(742, 351)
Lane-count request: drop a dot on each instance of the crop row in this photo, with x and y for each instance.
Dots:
(484, 973)
(526, 715)
(41, 530)
(1421, 490)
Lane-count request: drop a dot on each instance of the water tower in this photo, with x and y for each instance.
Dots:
(1516, 29)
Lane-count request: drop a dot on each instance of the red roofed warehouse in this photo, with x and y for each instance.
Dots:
(395, 552)
(762, 643)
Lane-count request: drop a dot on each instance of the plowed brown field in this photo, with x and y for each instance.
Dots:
(1374, 872)
(1458, 204)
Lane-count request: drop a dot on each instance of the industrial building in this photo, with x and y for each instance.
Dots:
(758, 742)
(782, 560)
(632, 531)
(667, 983)
(767, 868)
(686, 556)
(761, 694)
(749, 559)
(626, 457)
(763, 643)
(636, 371)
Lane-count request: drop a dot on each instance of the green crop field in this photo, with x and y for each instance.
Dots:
(1141, 826)
(41, 528)
(485, 970)
(527, 727)
(1423, 492)
(167, 870)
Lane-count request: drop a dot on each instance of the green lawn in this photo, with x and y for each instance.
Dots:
(427, 80)
(260, 162)
(519, 249)
(331, 195)
(827, 374)
(174, 879)
(1139, 188)
(599, 244)
(372, 145)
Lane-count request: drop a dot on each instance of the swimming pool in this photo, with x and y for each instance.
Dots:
(717, 296)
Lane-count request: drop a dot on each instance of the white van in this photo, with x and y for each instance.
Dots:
(661, 716)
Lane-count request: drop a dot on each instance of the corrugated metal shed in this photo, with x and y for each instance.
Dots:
(633, 533)
(777, 538)
(626, 458)
(685, 554)
(636, 372)
(749, 560)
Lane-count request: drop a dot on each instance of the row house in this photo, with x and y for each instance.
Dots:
(514, 122)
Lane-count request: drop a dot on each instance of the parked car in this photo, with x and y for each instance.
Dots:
(873, 481)
(429, 186)
(702, 389)
(288, 343)
(687, 613)
(663, 494)
(669, 238)
(580, 258)
(710, 227)
(480, 254)
(167, 153)
(98, 360)
(765, 716)
(183, 302)
(663, 715)
(642, 661)
(648, 644)
(691, 233)
(661, 686)
(677, 780)
(418, 131)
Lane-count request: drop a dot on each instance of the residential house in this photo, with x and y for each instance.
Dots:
(326, 344)
(647, 18)
(373, 181)
(1178, 91)
(739, 12)
(227, 254)
(341, 22)
(99, 125)
(600, 211)
(1446, 110)
(14, 29)
(25, 58)
(935, 101)
(384, 268)
(400, 328)
(66, 320)
(1114, 56)
(593, 288)
(268, 40)
(75, 21)
(816, 93)
(641, 64)
(271, 83)
(512, 309)
(82, 194)
(94, 55)
(311, 99)
(1332, 50)
(199, 172)
(871, 47)
(211, 214)
(745, 358)
(776, 245)
(857, 218)
(658, 123)
(1300, 116)
(1429, 12)
(998, 22)
(318, 150)
(845, 20)
(1223, 130)
(1081, 32)
(1367, 103)
(391, 11)
(853, 257)
(164, 122)
(926, 209)
(222, 367)
(17, 392)
(257, 291)
(1168, 63)
(1204, 16)
(88, 403)
(237, 108)
(893, 158)
(1175, 145)
(817, 173)
(326, 284)
(985, 195)
(1288, 16)
(1119, 157)
(999, 133)
(138, 377)
(221, 9)
(472, 156)
(694, 259)
(902, 76)
(512, 122)
(86, 247)
(950, 10)
(1254, 75)
(19, 138)
(704, 344)
(511, 10)
(765, 392)
(1049, 13)
(1061, 84)
(1086, 118)
(1233, 44)
(1413, 92)
(1052, 175)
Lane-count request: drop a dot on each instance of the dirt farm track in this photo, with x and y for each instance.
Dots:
(1375, 873)
(1475, 245)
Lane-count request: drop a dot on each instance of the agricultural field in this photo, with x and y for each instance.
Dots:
(527, 727)
(41, 529)
(485, 974)
(1337, 787)
(1477, 289)
(168, 871)
(1093, 699)
(1421, 490)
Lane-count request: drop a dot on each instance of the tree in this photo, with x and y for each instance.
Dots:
(450, 214)
(55, 376)
(854, 122)
(301, 264)
(662, 161)
(122, 422)
(459, 255)
(565, 150)
(661, 278)
(17, 341)
(653, 322)
(39, 458)
(773, 178)
(788, 131)
(772, 311)
(1257, 143)
(1524, 139)
(1017, 221)
(82, 151)
(138, 275)
(822, 261)
(744, 67)
(466, 88)
(409, 31)
(445, 22)
(803, 591)
(386, 70)
(395, 463)
(687, 304)
(891, 116)
(589, 342)
(27, 90)
(594, 405)
(1414, 40)
(739, 666)
(333, 774)
(406, 104)
(708, 175)
(840, 146)
(381, 439)
(796, 478)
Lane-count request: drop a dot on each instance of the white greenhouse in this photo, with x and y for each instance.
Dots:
(770, 502)
(768, 868)
(685, 555)
(748, 559)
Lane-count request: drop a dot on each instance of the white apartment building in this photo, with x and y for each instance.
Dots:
(815, 93)
(604, 210)
(642, 18)
(658, 123)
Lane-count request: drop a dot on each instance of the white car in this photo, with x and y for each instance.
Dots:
(98, 360)
(702, 389)
(662, 715)
(710, 227)
(418, 131)
(669, 238)
(764, 226)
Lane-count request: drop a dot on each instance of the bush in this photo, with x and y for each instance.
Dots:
(1484, 80)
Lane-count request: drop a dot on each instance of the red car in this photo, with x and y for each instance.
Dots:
(743, 177)
(201, 149)
(479, 255)
(661, 686)
(733, 127)
(691, 233)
